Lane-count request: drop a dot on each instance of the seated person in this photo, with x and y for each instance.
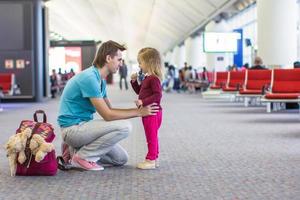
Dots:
(296, 64)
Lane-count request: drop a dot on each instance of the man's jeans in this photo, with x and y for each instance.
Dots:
(98, 139)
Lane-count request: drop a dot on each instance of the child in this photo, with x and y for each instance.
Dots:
(149, 92)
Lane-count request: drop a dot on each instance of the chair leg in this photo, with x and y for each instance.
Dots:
(259, 100)
(269, 107)
(254, 101)
(232, 98)
(283, 106)
(246, 101)
(275, 106)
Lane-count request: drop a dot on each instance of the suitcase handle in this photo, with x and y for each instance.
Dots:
(40, 112)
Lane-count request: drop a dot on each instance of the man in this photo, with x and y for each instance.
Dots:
(95, 142)
(123, 74)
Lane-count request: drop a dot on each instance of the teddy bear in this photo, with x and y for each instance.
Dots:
(15, 148)
(39, 147)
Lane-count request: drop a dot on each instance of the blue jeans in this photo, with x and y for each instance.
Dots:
(97, 140)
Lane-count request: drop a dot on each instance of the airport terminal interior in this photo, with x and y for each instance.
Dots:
(150, 99)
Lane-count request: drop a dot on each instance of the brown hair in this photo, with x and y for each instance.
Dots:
(107, 48)
(258, 61)
(152, 61)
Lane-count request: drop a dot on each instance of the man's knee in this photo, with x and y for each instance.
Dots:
(120, 157)
(122, 160)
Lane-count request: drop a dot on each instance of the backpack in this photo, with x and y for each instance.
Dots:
(46, 167)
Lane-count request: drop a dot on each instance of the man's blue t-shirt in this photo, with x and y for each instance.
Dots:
(75, 105)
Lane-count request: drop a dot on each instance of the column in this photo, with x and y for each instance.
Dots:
(174, 55)
(194, 52)
(40, 69)
(277, 32)
(181, 57)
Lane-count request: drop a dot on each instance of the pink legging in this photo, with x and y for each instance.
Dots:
(151, 126)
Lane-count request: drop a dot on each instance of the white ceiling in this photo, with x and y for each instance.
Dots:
(136, 23)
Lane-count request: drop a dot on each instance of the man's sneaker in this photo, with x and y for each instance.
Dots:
(84, 164)
(147, 164)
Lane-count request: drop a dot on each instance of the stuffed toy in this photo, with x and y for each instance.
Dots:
(39, 147)
(15, 148)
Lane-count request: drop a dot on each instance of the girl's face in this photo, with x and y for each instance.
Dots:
(142, 66)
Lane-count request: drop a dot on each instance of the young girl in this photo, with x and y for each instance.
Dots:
(149, 92)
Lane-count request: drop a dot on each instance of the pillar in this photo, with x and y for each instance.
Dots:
(194, 52)
(181, 57)
(277, 32)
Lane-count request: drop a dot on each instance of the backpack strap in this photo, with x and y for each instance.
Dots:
(28, 152)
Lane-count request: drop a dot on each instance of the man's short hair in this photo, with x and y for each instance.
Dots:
(107, 48)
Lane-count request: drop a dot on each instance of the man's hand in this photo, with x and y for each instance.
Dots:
(134, 76)
(151, 109)
(110, 114)
(138, 103)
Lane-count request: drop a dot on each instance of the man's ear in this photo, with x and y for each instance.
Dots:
(108, 58)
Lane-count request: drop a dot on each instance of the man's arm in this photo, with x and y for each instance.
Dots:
(107, 102)
(110, 114)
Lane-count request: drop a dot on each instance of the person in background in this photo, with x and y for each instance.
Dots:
(296, 65)
(59, 71)
(186, 73)
(228, 68)
(123, 74)
(71, 74)
(258, 63)
(171, 78)
(204, 74)
(245, 67)
(234, 68)
(17, 89)
(168, 83)
(60, 85)
(176, 86)
(185, 67)
(53, 84)
(190, 77)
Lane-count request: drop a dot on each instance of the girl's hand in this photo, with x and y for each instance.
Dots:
(134, 76)
(138, 103)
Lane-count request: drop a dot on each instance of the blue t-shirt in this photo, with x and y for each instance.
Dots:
(75, 105)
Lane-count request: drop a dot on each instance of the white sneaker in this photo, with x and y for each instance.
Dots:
(147, 164)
